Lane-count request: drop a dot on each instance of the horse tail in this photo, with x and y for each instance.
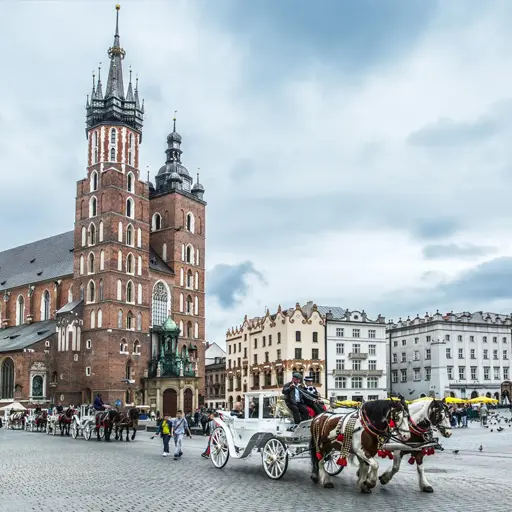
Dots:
(312, 448)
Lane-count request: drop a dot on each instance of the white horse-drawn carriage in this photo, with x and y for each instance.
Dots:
(84, 424)
(266, 430)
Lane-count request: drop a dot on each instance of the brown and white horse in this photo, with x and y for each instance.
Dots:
(106, 421)
(64, 420)
(128, 420)
(359, 435)
(424, 416)
(41, 420)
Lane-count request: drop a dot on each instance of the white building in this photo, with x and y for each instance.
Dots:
(215, 376)
(356, 356)
(463, 355)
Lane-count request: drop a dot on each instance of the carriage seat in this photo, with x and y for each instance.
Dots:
(285, 412)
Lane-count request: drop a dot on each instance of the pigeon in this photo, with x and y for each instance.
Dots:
(455, 452)
(499, 429)
(481, 448)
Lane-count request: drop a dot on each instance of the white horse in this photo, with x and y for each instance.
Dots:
(424, 416)
(358, 434)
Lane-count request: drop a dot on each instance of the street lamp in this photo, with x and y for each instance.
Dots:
(327, 318)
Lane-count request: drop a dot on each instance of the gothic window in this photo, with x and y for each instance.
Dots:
(139, 321)
(81, 292)
(128, 370)
(91, 292)
(95, 147)
(130, 181)
(197, 256)
(129, 320)
(182, 277)
(93, 182)
(190, 279)
(92, 234)
(93, 319)
(7, 379)
(139, 237)
(156, 222)
(119, 290)
(189, 329)
(101, 297)
(196, 330)
(120, 261)
(91, 263)
(164, 252)
(113, 154)
(189, 254)
(196, 281)
(139, 294)
(136, 347)
(120, 232)
(181, 302)
(120, 319)
(129, 235)
(113, 136)
(189, 305)
(70, 294)
(20, 310)
(190, 222)
(82, 264)
(100, 318)
(196, 305)
(84, 236)
(101, 232)
(37, 386)
(139, 266)
(130, 208)
(129, 292)
(45, 306)
(130, 264)
(93, 205)
(160, 304)
(123, 346)
(102, 260)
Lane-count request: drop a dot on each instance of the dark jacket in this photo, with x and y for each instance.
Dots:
(98, 403)
(289, 394)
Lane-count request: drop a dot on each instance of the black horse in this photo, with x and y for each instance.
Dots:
(106, 420)
(65, 420)
(127, 420)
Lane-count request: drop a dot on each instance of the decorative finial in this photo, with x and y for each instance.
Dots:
(118, 6)
(93, 79)
(137, 82)
(174, 121)
(130, 71)
(198, 169)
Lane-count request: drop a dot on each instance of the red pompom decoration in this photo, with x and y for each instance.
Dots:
(392, 424)
(390, 456)
(319, 456)
(340, 438)
(380, 453)
(424, 451)
(412, 460)
(432, 451)
(342, 461)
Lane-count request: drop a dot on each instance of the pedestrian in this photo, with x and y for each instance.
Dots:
(213, 415)
(165, 429)
(483, 414)
(179, 428)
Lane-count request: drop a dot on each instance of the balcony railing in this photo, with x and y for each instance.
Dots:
(169, 368)
(358, 373)
(358, 355)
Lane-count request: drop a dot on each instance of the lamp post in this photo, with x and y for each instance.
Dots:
(327, 318)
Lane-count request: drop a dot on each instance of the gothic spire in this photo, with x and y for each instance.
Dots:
(129, 93)
(115, 87)
(99, 88)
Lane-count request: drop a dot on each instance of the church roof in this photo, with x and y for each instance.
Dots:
(23, 336)
(37, 261)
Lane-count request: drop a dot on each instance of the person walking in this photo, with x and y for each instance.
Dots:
(484, 412)
(179, 428)
(165, 429)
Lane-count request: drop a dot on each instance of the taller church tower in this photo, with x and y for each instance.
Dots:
(111, 247)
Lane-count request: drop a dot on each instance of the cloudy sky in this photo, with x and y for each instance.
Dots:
(357, 154)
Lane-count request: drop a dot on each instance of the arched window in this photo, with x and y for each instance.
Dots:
(139, 294)
(130, 181)
(101, 296)
(129, 320)
(196, 281)
(7, 379)
(189, 329)
(182, 277)
(91, 292)
(81, 292)
(119, 290)
(156, 222)
(139, 321)
(20, 310)
(93, 205)
(181, 303)
(190, 279)
(196, 330)
(139, 237)
(45, 306)
(113, 136)
(70, 294)
(82, 264)
(190, 306)
(100, 318)
(93, 319)
(120, 319)
(123, 346)
(129, 292)
(160, 304)
(120, 232)
(93, 184)
(130, 264)
(102, 260)
(101, 232)
(129, 235)
(128, 370)
(164, 252)
(130, 150)
(95, 160)
(197, 256)
(196, 305)
(139, 266)
(91, 263)
(189, 258)
(191, 223)
(84, 236)
(37, 387)
(120, 261)
(136, 347)
(130, 208)
(92, 234)
(113, 154)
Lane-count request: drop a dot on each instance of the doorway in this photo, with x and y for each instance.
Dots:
(170, 403)
(188, 401)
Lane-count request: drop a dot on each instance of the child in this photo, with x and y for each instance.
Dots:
(165, 429)
(179, 427)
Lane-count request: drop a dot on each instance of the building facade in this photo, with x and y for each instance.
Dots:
(90, 305)
(463, 355)
(263, 352)
(356, 356)
(215, 377)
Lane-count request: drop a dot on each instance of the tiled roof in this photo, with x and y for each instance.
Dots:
(38, 261)
(157, 263)
(23, 336)
(70, 306)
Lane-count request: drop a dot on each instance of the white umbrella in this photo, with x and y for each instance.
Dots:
(15, 406)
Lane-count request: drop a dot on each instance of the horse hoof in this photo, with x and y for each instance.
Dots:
(382, 480)
(428, 488)
(365, 490)
(328, 485)
(314, 479)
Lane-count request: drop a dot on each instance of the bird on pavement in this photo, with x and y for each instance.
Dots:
(481, 448)
(455, 452)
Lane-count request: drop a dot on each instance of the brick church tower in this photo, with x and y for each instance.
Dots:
(111, 244)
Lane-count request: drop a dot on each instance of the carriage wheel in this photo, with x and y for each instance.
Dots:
(87, 432)
(74, 431)
(219, 451)
(330, 464)
(275, 458)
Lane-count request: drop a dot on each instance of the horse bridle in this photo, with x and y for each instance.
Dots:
(438, 415)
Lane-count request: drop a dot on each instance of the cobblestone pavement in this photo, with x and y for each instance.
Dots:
(45, 473)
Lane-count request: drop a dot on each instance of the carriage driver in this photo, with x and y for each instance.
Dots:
(294, 399)
(98, 403)
(314, 401)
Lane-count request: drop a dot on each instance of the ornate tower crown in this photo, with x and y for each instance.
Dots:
(115, 107)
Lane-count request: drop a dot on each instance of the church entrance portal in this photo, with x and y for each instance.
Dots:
(170, 402)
